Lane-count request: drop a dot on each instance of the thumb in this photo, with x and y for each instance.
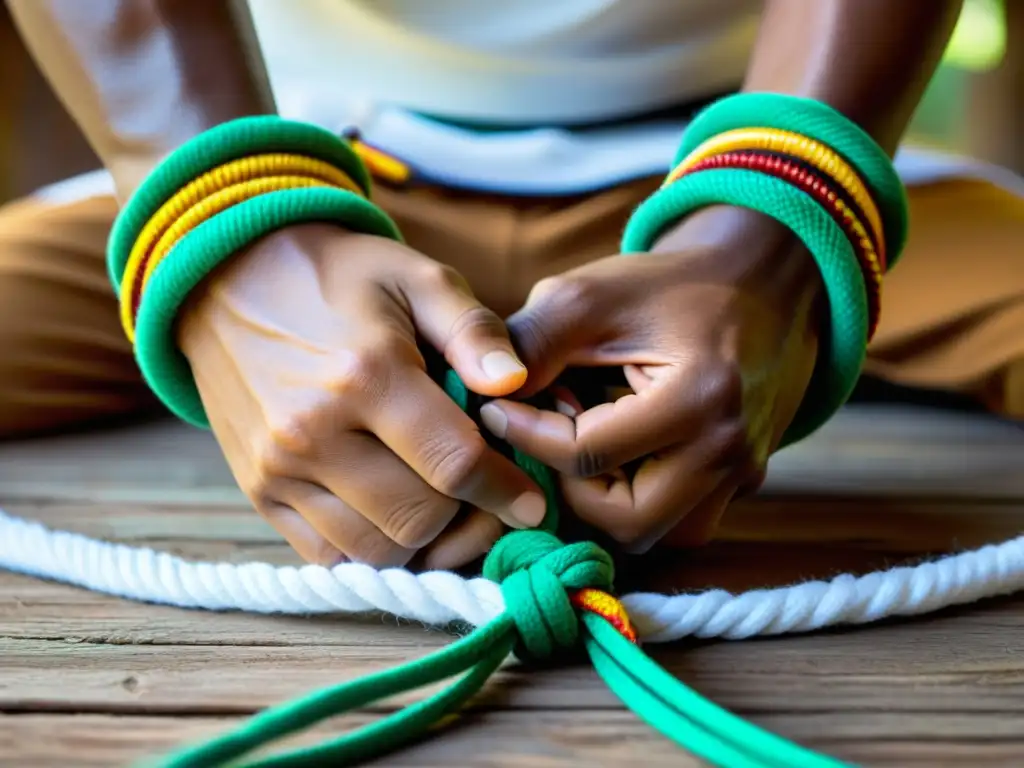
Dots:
(552, 331)
(472, 338)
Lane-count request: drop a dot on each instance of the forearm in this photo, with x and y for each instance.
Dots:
(869, 59)
(140, 77)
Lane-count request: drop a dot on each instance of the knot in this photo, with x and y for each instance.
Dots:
(537, 572)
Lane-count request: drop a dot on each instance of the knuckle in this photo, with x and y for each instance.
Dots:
(357, 372)
(731, 446)
(576, 291)
(324, 554)
(288, 434)
(631, 535)
(440, 276)
(585, 462)
(453, 469)
(477, 319)
(412, 523)
(270, 462)
(375, 549)
(365, 373)
(724, 388)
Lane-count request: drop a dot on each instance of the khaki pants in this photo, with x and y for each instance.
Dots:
(953, 313)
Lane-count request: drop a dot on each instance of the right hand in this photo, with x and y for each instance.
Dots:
(304, 350)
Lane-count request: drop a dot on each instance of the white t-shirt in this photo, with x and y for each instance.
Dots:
(514, 62)
(381, 65)
(534, 66)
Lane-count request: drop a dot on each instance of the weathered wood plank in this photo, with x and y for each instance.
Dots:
(41, 676)
(942, 690)
(30, 608)
(518, 739)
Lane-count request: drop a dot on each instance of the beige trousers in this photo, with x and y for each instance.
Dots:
(953, 313)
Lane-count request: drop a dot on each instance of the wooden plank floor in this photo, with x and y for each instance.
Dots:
(88, 680)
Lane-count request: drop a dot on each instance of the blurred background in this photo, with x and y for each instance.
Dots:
(975, 104)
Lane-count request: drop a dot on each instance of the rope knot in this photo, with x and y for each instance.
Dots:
(537, 573)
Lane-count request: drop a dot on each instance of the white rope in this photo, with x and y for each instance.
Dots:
(441, 597)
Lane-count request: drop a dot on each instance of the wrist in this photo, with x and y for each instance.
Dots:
(753, 251)
(277, 265)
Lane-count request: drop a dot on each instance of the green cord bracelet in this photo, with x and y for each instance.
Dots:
(221, 144)
(842, 351)
(535, 569)
(821, 122)
(214, 241)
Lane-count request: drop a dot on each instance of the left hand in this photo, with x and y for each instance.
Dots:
(717, 333)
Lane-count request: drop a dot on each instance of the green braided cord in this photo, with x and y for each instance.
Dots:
(481, 653)
(820, 122)
(682, 715)
(214, 241)
(226, 142)
(843, 348)
(536, 571)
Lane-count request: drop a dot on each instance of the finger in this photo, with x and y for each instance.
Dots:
(555, 327)
(604, 437)
(752, 484)
(698, 527)
(369, 478)
(303, 537)
(638, 513)
(430, 433)
(345, 528)
(472, 338)
(467, 540)
(310, 545)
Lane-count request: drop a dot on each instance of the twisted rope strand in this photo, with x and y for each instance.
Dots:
(440, 598)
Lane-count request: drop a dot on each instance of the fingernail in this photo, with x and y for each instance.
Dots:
(529, 509)
(565, 409)
(494, 419)
(499, 366)
(566, 402)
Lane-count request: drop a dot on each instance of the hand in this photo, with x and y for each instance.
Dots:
(304, 350)
(717, 335)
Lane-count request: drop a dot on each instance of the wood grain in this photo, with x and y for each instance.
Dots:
(517, 739)
(915, 667)
(90, 680)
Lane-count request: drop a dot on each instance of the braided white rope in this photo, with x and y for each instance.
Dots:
(440, 597)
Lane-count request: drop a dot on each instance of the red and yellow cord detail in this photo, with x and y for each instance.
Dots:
(206, 196)
(823, 158)
(816, 170)
(607, 607)
(829, 198)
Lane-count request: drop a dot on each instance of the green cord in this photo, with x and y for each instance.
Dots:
(651, 686)
(842, 350)
(818, 121)
(226, 142)
(478, 655)
(536, 572)
(204, 248)
(535, 569)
